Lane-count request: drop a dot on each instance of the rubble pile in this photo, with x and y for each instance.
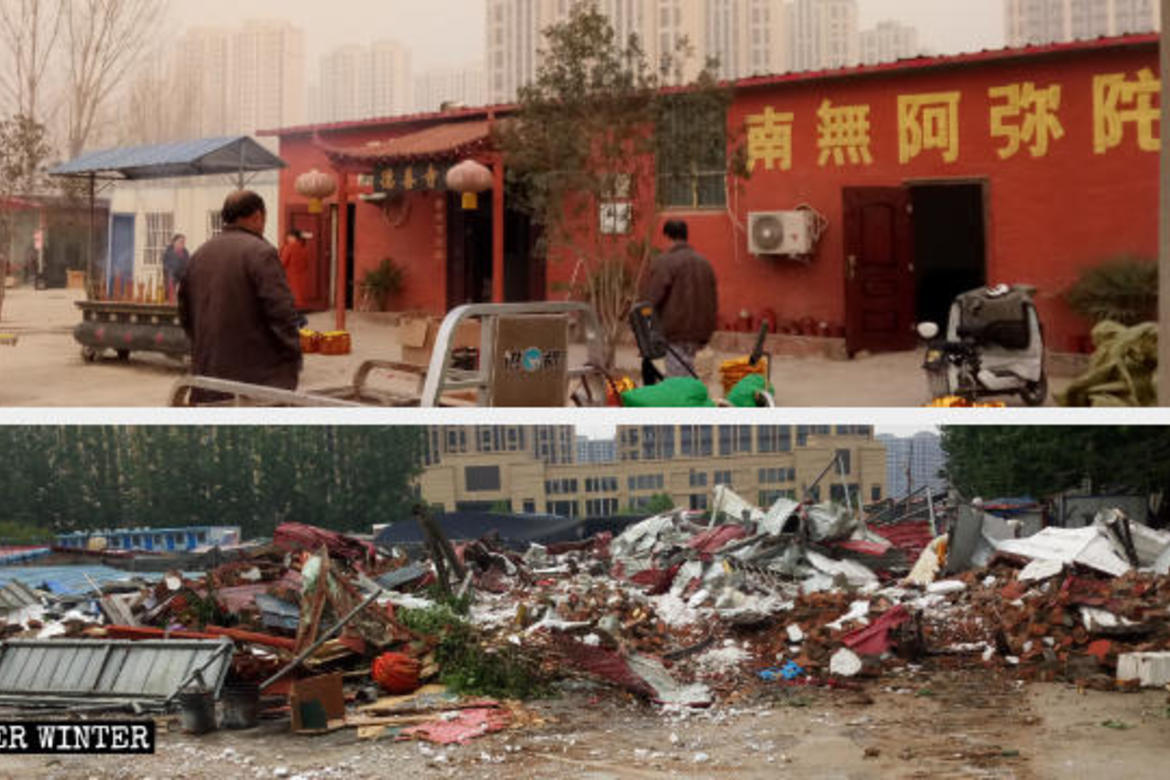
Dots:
(683, 609)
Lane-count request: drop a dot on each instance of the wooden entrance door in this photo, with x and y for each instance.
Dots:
(879, 270)
(312, 227)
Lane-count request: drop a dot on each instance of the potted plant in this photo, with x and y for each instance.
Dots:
(381, 284)
(1124, 290)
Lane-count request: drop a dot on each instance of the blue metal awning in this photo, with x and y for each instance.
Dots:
(230, 155)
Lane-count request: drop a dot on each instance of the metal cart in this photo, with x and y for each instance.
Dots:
(523, 359)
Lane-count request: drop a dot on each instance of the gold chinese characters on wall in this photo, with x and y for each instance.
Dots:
(1022, 117)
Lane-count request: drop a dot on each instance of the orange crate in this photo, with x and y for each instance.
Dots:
(310, 342)
(735, 371)
(336, 342)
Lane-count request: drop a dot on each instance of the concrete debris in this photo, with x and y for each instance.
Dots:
(679, 611)
(726, 504)
(1100, 621)
(1150, 670)
(828, 522)
(946, 587)
(1085, 546)
(1039, 570)
(852, 572)
(1133, 541)
(845, 663)
(1162, 564)
(858, 611)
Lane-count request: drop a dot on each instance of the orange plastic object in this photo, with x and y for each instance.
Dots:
(735, 371)
(396, 673)
(310, 341)
(955, 402)
(336, 342)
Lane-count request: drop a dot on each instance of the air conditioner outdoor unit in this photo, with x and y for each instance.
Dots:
(780, 233)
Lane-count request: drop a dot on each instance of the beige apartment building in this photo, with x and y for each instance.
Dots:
(361, 82)
(464, 85)
(229, 80)
(823, 34)
(889, 41)
(534, 470)
(1047, 21)
(748, 37)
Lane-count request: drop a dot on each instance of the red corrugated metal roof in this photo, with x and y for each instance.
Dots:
(955, 60)
(424, 118)
(912, 538)
(754, 82)
(438, 142)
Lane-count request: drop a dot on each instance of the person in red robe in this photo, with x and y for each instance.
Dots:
(294, 256)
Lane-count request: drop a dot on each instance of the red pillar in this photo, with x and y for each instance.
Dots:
(342, 244)
(498, 231)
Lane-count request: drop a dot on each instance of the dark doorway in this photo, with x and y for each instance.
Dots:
(950, 241)
(351, 225)
(311, 226)
(469, 251)
(469, 254)
(524, 265)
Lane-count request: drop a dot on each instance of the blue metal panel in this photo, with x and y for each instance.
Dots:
(69, 580)
(226, 155)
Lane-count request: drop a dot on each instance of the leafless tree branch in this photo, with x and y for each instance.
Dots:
(105, 39)
(29, 30)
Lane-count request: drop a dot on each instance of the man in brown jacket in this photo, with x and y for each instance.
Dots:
(684, 292)
(236, 306)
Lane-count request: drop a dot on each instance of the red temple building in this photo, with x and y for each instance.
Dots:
(926, 178)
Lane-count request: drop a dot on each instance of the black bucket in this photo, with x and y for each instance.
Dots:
(197, 712)
(241, 706)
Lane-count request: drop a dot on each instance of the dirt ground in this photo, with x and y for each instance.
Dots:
(45, 368)
(970, 724)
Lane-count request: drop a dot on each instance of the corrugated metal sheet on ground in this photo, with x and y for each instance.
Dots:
(69, 580)
(10, 555)
(912, 538)
(275, 613)
(45, 671)
(15, 596)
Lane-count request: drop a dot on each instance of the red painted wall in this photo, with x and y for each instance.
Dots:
(413, 234)
(1047, 218)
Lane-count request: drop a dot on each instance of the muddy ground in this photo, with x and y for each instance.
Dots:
(908, 725)
(45, 368)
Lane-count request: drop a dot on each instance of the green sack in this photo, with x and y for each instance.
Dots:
(743, 395)
(1123, 370)
(682, 393)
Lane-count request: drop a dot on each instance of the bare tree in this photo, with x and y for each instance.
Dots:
(29, 30)
(105, 39)
(145, 114)
(23, 151)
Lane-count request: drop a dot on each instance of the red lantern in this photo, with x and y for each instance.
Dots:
(469, 178)
(316, 186)
(396, 673)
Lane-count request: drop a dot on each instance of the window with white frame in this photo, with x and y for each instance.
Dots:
(214, 223)
(160, 228)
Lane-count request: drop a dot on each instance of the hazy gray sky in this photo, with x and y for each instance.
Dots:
(451, 32)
